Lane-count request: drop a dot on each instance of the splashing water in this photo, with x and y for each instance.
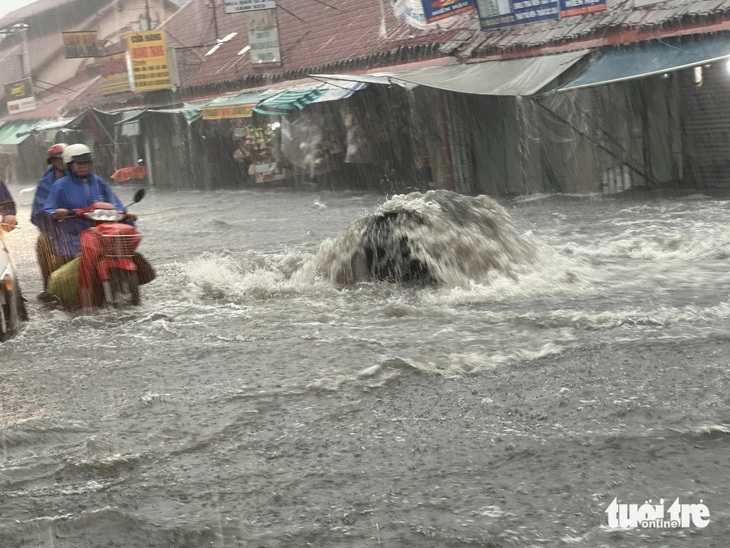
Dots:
(438, 237)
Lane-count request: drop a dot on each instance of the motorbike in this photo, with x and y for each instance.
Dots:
(106, 273)
(12, 306)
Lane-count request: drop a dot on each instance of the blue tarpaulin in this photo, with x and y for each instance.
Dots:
(649, 58)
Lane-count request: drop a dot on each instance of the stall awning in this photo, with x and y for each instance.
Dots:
(288, 101)
(337, 92)
(650, 58)
(233, 106)
(14, 133)
(296, 98)
(382, 78)
(131, 116)
(512, 77)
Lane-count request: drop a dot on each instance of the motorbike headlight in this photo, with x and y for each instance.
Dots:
(105, 215)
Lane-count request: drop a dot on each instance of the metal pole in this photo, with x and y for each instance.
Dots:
(147, 14)
(215, 19)
(25, 65)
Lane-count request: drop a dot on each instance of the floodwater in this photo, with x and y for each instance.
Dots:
(253, 401)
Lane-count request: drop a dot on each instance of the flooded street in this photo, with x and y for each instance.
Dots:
(254, 401)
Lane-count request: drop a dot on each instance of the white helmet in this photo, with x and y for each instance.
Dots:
(76, 153)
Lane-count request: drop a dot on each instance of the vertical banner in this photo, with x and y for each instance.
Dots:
(494, 14)
(20, 96)
(239, 6)
(435, 10)
(149, 60)
(114, 74)
(263, 37)
(569, 8)
(81, 44)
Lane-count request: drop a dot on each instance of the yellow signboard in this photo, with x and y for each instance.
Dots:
(148, 55)
(114, 75)
(19, 90)
(81, 44)
(228, 112)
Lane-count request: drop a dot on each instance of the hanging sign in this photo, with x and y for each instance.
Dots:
(81, 44)
(19, 90)
(114, 74)
(229, 112)
(435, 10)
(494, 14)
(569, 8)
(149, 61)
(263, 37)
(238, 6)
(20, 96)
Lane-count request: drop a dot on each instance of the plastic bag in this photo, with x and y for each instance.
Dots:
(64, 283)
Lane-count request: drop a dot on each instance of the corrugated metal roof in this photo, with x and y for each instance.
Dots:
(351, 35)
(621, 14)
(313, 36)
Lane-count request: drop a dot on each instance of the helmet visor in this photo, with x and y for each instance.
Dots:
(81, 158)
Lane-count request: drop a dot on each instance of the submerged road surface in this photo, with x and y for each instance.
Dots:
(262, 396)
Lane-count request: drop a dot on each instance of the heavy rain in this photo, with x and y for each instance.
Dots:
(407, 292)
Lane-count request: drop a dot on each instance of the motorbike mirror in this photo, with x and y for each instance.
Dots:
(138, 196)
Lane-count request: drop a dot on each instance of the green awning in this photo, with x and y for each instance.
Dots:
(14, 133)
(650, 58)
(288, 101)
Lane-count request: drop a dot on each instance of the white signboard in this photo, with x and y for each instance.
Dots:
(21, 105)
(238, 6)
(263, 37)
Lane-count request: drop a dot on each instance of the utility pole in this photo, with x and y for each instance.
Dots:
(147, 14)
(25, 68)
(215, 19)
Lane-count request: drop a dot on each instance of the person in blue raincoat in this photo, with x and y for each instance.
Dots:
(79, 188)
(47, 258)
(7, 208)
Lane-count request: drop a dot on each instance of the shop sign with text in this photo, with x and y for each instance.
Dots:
(81, 44)
(569, 8)
(20, 96)
(229, 112)
(114, 74)
(149, 60)
(435, 10)
(239, 6)
(263, 37)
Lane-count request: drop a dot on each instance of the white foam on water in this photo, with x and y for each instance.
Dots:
(224, 278)
(460, 364)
